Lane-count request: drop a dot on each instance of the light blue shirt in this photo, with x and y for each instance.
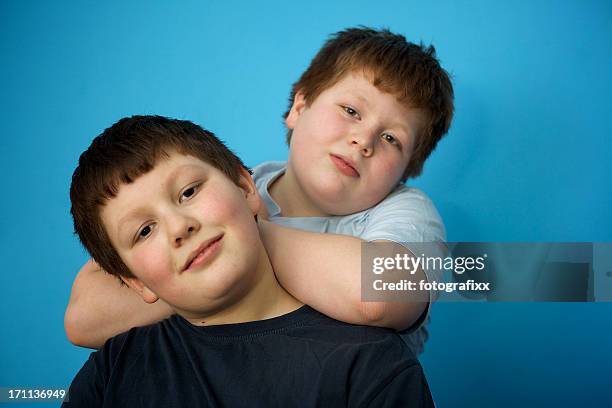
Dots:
(406, 215)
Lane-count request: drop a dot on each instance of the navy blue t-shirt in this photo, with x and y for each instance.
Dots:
(301, 359)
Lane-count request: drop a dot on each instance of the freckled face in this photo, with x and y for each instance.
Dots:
(187, 232)
(351, 145)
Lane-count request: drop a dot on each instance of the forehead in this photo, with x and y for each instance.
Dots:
(363, 86)
(165, 171)
(150, 188)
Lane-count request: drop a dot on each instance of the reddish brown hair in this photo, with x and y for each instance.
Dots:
(122, 153)
(408, 71)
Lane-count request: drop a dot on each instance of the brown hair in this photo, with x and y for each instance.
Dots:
(408, 71)
(122, 153)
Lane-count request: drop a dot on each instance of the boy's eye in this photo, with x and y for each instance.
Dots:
(352, 112)
(189, 192)
(390, 139)
(144, 232)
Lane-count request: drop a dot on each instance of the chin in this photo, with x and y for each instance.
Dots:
(337, 207)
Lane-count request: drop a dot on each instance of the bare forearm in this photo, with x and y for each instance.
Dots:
(101, 307)
(324, 271)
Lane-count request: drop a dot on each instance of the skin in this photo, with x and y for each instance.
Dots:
(353, 119)
(160, 221)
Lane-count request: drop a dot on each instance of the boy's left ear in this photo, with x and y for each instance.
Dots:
(247, 185)
(299, 103)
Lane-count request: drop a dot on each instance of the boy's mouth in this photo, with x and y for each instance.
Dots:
(203, 253)
(345, 165)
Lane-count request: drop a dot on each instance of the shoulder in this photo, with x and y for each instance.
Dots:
(406, 215)
(362, 348)
(268, 169)
(89, 386)
(406, 198)
(264, 173)
(381, 370)
(323, 329)
(135, 342)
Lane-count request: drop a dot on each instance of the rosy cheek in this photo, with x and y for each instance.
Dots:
(336, 126)
(150, 265)
(391, 166)
(323, 125)
(218, 209)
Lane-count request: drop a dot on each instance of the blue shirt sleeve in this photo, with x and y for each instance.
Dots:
(408, 217)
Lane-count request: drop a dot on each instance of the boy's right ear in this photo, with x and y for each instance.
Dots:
(137, 286)
(299, 103)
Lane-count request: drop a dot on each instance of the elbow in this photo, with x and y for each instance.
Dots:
(72, 327)
(392, 315)
(372, 313)
(76, 329)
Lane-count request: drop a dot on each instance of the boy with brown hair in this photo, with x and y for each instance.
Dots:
(167, 208)
(363, 118)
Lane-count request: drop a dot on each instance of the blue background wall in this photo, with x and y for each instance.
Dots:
(527, 159)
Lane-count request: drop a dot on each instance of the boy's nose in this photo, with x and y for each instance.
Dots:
(180, 239)
(182, 227)
(364, 144)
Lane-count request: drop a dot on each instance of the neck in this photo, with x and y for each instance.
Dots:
(291, 198)
(262, 298)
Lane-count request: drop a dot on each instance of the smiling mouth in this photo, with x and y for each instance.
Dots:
(204, 253)
(344, 165)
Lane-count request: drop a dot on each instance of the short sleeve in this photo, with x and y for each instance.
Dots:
(406, 215)
(87, 388)
(408, 388)
(387, 374)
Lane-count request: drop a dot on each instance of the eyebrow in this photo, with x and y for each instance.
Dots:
(353, 94)
(410, 141)
(127, 218)
(406, 130)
